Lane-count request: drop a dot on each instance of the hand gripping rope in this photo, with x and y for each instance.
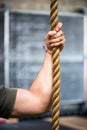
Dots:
(55, 69)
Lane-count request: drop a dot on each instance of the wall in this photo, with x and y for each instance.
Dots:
(43, 5)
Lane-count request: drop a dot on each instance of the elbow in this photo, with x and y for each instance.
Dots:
(44, 110)
(45, 106)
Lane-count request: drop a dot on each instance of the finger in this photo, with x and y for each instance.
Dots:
(58, 39)
(59, 34)
(51, 33)
(58, 27)
(59, 45)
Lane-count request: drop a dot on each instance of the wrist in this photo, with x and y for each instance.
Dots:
(47, 50)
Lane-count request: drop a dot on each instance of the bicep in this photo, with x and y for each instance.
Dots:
(26, 103)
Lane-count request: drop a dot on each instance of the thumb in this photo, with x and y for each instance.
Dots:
(58, 27)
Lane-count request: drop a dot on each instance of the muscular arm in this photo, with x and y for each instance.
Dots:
(38, 99)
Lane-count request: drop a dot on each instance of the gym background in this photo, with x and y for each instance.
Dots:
(73, 13)
(64, 5)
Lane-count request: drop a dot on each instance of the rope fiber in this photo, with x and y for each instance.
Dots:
(55, 69)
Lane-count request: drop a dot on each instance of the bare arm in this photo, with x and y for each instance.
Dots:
(38, 99)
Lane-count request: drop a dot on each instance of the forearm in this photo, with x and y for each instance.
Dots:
(42, 86)
(38, 99)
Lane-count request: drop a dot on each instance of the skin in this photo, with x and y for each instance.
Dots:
(38, 99)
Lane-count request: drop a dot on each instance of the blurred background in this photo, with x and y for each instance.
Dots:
(21, 54)
(43, 5)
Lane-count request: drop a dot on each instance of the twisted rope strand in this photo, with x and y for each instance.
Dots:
(56, 69)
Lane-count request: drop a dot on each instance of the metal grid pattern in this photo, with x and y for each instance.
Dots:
(26, 37)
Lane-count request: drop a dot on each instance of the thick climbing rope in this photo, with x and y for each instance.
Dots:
(56, 69)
